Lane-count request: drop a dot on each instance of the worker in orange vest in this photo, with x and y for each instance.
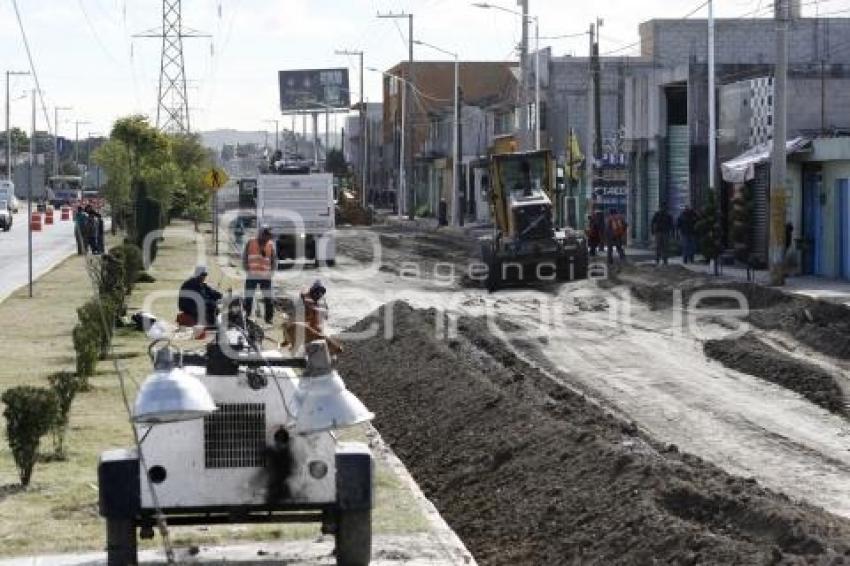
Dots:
(259, 261)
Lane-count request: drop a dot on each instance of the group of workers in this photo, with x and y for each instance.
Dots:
(88, 230)
(663, 229)
(609, 232)
(198, 301)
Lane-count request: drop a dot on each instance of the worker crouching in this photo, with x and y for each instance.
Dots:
(309, 323)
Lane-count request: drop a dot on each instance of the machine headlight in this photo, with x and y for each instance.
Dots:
(318, 469)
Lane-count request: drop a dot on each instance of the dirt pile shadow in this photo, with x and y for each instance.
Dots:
(750, 355)
(528, 472)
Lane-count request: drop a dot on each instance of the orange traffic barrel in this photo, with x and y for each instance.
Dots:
(66, 213)
(35, 222)
(48, 216)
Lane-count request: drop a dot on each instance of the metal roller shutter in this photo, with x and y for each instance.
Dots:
(761, 211)
(679, 152)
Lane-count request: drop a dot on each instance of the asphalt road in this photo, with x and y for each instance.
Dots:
(50, 246)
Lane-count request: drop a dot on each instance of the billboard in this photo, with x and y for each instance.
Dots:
(314, 90)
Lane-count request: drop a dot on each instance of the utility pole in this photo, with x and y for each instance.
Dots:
(597, 92)
(77, 124)
(712, 135)
(8, 123)
(29, 195)
(712, 110)
(362, 125)
(776, 252)
(56, 137)
(589, 142)
(276, 133)
(409, 86)
(524, 115)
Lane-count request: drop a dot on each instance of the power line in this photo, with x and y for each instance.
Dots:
(32, 67)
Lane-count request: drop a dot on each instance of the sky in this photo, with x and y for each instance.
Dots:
(87, 58)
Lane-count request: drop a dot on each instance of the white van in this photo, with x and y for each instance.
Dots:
(299, 209)
(7, 193)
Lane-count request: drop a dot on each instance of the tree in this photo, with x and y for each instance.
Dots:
(20, 141)
(68, 168)
(30, 412)
(335, 163)
(708, 230)
(112, 157)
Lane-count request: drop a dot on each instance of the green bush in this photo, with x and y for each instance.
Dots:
(113, 275)
(86, 346)
(707, 229)
(98, 316)
(30, 412)
(133, 264)
(145, 277)
(65, 385)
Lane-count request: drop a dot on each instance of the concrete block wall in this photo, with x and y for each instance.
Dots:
(672, 42)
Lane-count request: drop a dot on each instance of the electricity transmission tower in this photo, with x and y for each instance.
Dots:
(172, 111)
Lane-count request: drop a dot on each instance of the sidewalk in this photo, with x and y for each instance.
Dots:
(831, 290)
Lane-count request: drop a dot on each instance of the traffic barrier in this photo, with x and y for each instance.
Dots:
(48, 216)
(66, 213)
(35, 222)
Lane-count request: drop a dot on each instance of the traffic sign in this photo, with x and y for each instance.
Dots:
(215, 178)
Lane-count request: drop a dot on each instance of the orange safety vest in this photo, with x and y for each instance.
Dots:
(260, 260)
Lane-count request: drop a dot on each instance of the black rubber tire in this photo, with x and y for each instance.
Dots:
(354, 538)
(494, 269)
(121, 543)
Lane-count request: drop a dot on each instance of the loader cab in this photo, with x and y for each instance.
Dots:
(521, 195)
(531, 215)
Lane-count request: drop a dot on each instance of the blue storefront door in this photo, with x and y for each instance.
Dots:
(812, 224)
(842, 225)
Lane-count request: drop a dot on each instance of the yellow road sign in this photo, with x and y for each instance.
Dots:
(215, 178)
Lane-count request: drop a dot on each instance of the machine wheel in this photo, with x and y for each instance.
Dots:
(354, 538)
(121, 544)
(494, 268)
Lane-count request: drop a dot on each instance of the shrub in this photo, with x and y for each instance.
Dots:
(65, 385)
(113, 275)
(30, 412)
(133, 264)
(145, 277)
(98, 319)
(86, 347)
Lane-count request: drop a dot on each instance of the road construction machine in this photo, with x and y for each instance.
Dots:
(526, 246)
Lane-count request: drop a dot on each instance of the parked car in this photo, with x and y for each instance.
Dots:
(5, 216)
(7, 193)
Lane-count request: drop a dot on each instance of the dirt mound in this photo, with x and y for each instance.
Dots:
(752, 356)
(528, 472)
(820, 325)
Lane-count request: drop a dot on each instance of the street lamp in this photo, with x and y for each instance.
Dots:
(77, 124)
(456, 142)
(526, 19)
(89, 137)
(56, 111)
(402, 181)
(276, 133)
(8, 126)
(363, 149)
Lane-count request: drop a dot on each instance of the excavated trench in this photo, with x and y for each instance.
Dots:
(820, 326)
(527, 471)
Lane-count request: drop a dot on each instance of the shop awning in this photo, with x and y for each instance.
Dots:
(742, 168)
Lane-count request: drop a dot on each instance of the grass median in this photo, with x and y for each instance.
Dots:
(58, 513)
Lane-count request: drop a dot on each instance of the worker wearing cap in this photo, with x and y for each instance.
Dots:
(259, 261)
(312, 324)
(194, 295)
